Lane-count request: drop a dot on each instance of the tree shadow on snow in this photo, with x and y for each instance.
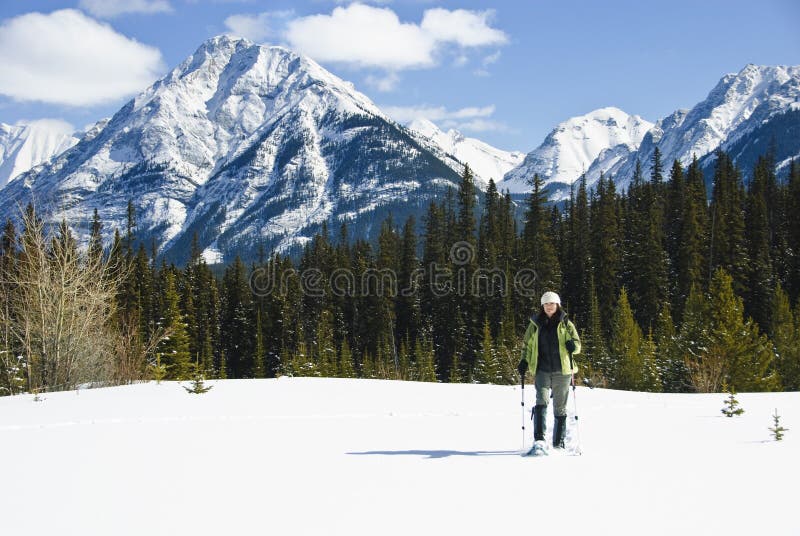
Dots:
(435, 454)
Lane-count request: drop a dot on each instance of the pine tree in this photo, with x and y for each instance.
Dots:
(793, 232)
(464, 263)
(539, 253)
(633, 354)
(577, 260)
(198, 386)
(426, 370)
(259, 352)
(690, 253)
(776, 429)
(408, 299)
(786, 337)
(675, 204)
(731, 404)
(653, 287)
(174, 350)
(466, 207)
(758, 299)
(596, 368)
(487, 366)
(671, 365)
(12, 368)
(737, 353)
(95, 237)
(236, 322)
(346, 368)
(728, 248)
(325, 350)
(606, 243)
(642, 252)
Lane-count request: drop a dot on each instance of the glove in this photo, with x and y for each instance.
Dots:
(522, 368)
(570, 344)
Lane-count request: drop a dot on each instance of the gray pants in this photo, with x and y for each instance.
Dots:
(559, 383)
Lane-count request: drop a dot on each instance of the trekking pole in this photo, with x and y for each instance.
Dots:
(522, 376)
(575, 405)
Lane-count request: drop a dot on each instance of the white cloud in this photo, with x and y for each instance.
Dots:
(68, 58)
(404, 114)
(107, 9)
(460, 60)
(384, 83)
(363, 36)
(253, 27)
(492, 58)
(469, 119)
(465, 28)
(476, 125)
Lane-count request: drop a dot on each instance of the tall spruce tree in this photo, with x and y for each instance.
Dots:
(743, 354)
(786, 337)
(538, 252)
(606, 243)
(793, 232)
(236, 321)
(577, 259)
(174, 350)
(464, 263)
(596, 358)
(758, 298)
(633, 355)
(675, 203)
(692, 245)
(727, 248)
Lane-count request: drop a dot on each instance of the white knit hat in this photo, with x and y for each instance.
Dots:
(550, 297)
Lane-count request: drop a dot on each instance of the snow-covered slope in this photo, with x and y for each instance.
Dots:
(299, 456)
(739, 104)
(244, 145)
(26, 145)
(601, 137)
(486, 162)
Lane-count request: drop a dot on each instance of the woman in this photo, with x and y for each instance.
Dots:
(547, 349)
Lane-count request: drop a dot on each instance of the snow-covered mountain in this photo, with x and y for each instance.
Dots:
(486, 162)
(736, 117)
(26, 145)
(244, 145)
(601, 138)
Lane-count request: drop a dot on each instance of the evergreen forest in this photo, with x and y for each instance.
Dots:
(672, 286)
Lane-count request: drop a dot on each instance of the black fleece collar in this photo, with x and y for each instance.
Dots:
(560, 316)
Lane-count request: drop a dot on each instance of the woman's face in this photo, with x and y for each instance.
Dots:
(550, 308)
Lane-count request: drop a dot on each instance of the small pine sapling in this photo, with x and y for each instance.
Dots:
(732, 405)
(198, 387)
(158, 369)
(777, 430)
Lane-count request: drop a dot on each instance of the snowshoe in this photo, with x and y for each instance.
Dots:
(539, 448)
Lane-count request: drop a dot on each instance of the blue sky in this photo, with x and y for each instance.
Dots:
(505, 72)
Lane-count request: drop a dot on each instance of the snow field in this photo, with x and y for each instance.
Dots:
(332, 456)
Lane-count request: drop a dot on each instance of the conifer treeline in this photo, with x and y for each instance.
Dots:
(669, 291)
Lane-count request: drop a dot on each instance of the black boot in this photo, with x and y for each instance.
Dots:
(539, 414)
(560, 432)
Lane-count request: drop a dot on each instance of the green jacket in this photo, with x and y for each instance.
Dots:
(566, 331)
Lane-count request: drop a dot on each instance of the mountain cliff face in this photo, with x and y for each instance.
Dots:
(600, 138)
(730, 118)
(244, 146)
(746, 114)
(247, 146)
(486, 162)
(25, 146)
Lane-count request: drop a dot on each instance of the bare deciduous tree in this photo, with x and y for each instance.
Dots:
(62, 310)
